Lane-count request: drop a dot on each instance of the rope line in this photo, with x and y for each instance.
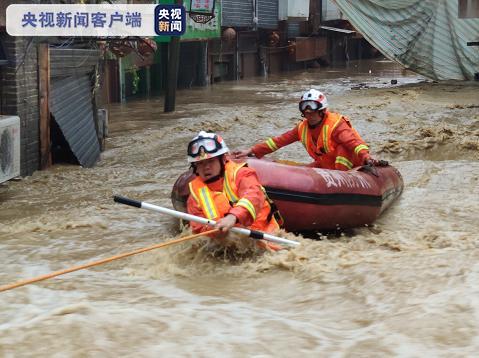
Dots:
(103, 261)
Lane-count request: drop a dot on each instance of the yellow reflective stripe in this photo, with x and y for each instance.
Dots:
(229, 181)
(271, 144)
(193, 193)
(336, 124)
(248, 205)
(344, 161)
(325, 138)
(207, 203)
(229, 192)
(304, 135)
(360, 147)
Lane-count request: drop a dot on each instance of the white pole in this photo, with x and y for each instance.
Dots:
(247, 232)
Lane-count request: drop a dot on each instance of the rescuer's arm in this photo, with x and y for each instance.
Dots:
(251, 197)
(269, 145)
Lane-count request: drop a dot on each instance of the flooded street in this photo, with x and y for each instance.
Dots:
(407, 286)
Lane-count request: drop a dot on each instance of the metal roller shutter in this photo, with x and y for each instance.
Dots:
(268, 14)
(237, 13)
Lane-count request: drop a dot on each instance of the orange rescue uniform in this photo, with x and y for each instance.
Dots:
(238, 192)
(333, 144)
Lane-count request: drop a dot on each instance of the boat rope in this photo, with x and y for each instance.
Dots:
(103, 261)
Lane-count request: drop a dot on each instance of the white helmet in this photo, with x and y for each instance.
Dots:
(313, 99)
(206, 145)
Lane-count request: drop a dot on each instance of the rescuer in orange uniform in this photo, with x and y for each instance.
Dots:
(328, 137)
(225, 191)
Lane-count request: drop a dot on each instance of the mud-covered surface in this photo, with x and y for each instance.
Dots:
(406, 286)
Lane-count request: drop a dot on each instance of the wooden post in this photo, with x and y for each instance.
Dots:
(121, 73)
(236, 60)
(44, 91)
(172, 75)
(148, 80)
(203, 68)
(106, 81)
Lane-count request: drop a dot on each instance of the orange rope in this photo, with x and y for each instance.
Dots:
(103, 261)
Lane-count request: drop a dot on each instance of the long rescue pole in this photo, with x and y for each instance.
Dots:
(103, 261)
(254, 234)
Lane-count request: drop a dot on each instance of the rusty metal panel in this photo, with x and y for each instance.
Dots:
(249, 65)
(321, 48)
(310, 48)
(111, 82)
(275, 62)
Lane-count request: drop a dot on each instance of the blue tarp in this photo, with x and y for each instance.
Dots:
(426, 36)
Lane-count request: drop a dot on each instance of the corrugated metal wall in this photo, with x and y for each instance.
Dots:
(268, 14)
(72, 109)
(71, 62)
(293, 29)
(71, 100)
(237, 13)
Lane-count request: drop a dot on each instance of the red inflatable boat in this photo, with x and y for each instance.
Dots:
(312, 199)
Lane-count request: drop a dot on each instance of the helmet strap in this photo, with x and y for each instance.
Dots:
(193, 167)
(213, 179)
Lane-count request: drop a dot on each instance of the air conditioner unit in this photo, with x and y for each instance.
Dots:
(9, 147)
(297, 10)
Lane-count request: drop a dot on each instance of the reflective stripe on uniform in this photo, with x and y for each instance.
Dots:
(271, 144)
(360, 147)
(248, 206)
(344, 161)
(207, 203)
(325, 138)
(229, 192)
(304, 135)
(192, 192)
(229, 182)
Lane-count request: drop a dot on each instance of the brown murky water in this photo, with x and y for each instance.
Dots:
(408, 286)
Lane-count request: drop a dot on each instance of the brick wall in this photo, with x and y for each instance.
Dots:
(19, 92)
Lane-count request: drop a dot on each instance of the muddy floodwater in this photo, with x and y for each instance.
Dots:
(406, 286)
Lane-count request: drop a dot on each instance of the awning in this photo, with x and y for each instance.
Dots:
(336, 29)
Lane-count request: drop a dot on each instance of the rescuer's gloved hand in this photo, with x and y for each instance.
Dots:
(226, 223)
(241, 154)
(376, 163)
